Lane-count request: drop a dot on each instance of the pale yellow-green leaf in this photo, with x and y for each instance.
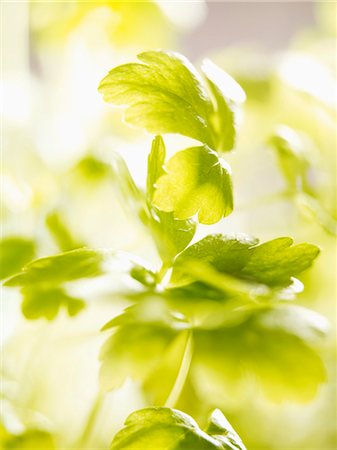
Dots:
(197, 182)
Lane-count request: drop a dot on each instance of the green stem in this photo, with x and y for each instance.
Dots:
(179, 383)
(163, 271)
(91, 421)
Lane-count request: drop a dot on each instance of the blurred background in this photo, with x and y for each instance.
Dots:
(55, 131)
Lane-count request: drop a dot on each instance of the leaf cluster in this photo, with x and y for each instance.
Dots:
(213, 318)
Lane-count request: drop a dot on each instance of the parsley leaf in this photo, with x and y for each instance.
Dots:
(170, 429)
(14, 253)
(171, 235)
(155, 165)
(61, 233)
(297, 165)
(197, 182)
(273, 263)
(42, 281)
(165, 94)
(53, 270)
(273, 346)
(123, 354)
(39, 302)
(30, 439)
(228, 95)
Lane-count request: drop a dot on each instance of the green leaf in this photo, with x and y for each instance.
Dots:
(313, 208)
(29, 440)
(171, 235)
(123, 354)
(14, 253)
(197, 182)
(271, 348)
(145, 276)
(155, 164)
(273, 263)
(235, 346)
(293, 158)
(54, 270)
(297, 165)
(129, 193)
(46, 303)
(92, 169)
(164, 94)
(146, 325)
(170, 429)
(228, 95)
(60, 232)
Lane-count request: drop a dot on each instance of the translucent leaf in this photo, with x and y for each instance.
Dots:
(54, 270)
(265, 347)
(165, 94)
(155, 164)
(228, 94)
(42, 281)
(196, 182)
(132, 351)
(29, 440)
(271, 346)
(273, 263)
(46, 303)
(171, 235)
(170, 429)
(15, 252)
(61, 233)
(294, 159)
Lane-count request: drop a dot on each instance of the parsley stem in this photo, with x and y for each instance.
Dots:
(179, 383)
(163, 271)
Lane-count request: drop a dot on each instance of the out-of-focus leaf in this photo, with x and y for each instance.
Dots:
(42, 281)
(124, 23)
(147, 325)
(272, 347)
(273, 263)
(29, 440)
(145, 276)
(228, 94)
(163, 383)
(60, 232)
(165, 94)
(313, 208)
(92, 169)
(170, 429)
(46, 303)
(54, 270)
(132, 351)
(298, 168)
(293, 158)
(130, 194)
(197, 182)
(15, 252)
